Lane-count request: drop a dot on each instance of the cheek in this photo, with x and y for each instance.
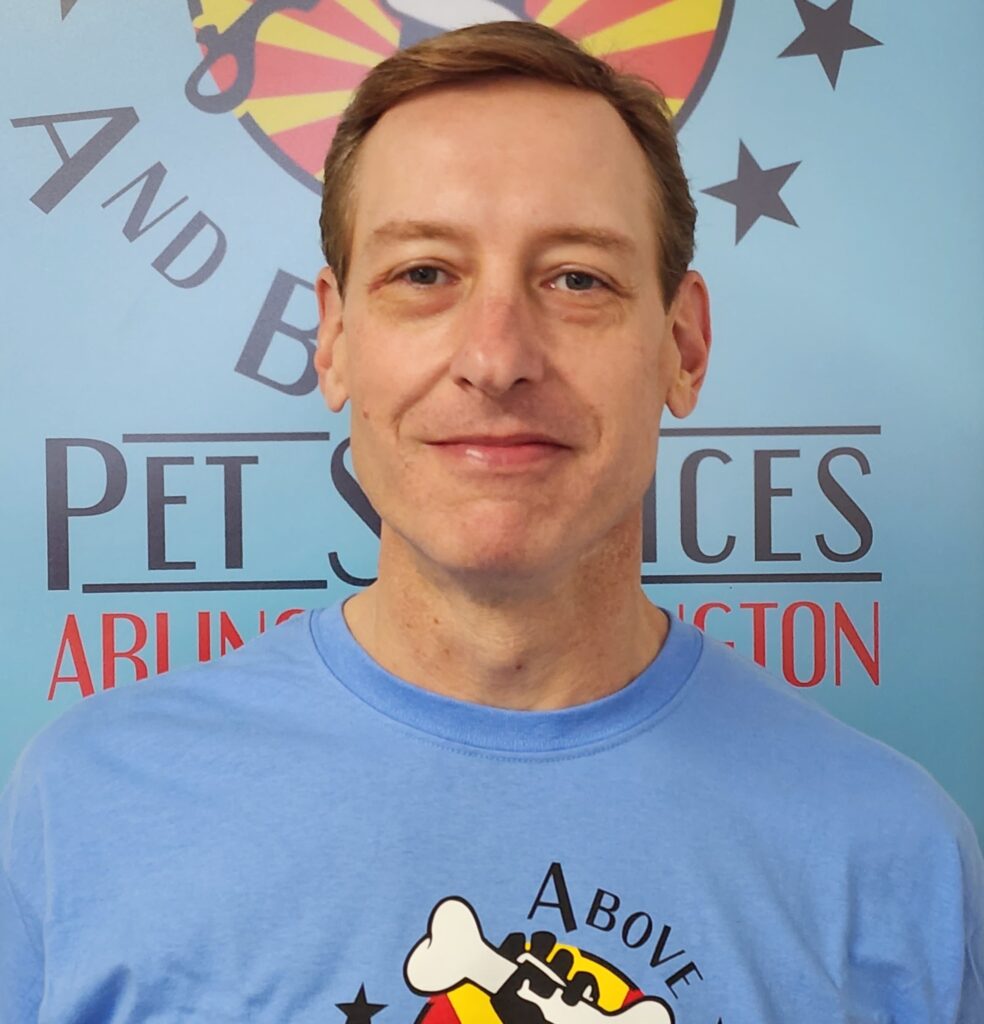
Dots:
(631, 401)
(629, 380)
(390, 372)
(370, 380)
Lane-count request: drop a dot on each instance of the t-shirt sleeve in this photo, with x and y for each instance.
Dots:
(953, 932)
(21, 963)
(917, 943)
(971, 1008)
(21, 945)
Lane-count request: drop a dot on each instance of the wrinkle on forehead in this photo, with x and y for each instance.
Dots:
(550, 161)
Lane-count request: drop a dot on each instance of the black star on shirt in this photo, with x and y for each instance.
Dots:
(828, 34)
(360, 1010)
(755, 192)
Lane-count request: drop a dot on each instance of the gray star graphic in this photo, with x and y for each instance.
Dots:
(828, 34)
(755, 192)
(66, 6)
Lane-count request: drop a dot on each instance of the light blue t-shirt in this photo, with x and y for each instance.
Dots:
(291, 834)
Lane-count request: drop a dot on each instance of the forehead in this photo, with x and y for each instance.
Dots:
(506, 158)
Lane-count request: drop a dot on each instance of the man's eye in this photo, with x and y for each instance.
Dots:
(576, 281)
(424, 275)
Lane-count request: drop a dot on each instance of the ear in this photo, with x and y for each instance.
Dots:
(690, 327)
(329, 357)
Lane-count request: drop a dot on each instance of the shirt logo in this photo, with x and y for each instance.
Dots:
(521, 981)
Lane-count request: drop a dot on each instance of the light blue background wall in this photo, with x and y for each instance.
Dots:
(866, 313)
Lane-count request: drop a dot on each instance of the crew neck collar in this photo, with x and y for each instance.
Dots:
(503, 729)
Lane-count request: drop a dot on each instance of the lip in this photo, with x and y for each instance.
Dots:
(501, 452)
(499, 440)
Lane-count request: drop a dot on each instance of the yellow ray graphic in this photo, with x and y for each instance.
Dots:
(470, 1003)
(278, 113)
(557, 10)
(220, 13)
(292, 35)
(674, 103)
(671, 20)
(369, 14)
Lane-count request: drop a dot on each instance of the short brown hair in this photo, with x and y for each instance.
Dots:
(516, 49)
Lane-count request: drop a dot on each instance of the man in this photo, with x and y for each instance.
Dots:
(499, 784)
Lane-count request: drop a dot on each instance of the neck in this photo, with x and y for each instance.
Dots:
(576, 637)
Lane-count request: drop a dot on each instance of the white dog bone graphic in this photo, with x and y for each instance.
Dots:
(454, 951)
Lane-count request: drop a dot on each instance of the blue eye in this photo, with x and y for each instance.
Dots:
(423, 275)
(577, 281)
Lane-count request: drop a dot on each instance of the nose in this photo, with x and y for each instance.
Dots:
(499, 345)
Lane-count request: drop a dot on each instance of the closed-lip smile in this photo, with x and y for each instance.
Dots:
(499, 440)
(501, 452)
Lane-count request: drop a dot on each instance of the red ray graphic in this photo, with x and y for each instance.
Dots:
(281, 72)
(307, 144)
(441, 1011)
(223, 71)
(332, 17)
(598, 14)
(674, 65)
(632, 996)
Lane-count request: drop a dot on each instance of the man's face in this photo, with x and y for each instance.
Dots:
(503, 340)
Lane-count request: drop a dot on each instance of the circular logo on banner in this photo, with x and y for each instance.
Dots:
(287, 68)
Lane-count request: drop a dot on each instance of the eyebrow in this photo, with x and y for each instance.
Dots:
(600, 238)
(567, 234)
(408, 230)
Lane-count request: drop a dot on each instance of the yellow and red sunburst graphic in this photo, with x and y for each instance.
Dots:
(287, 68)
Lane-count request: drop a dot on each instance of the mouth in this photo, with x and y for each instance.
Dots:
(501, 452)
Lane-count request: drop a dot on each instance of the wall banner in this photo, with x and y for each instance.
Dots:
(174, 485)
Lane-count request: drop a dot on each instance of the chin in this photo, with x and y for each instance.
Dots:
(495, 540)
(500, 551)
(486, 556)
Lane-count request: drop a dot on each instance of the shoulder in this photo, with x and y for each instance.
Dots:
(155, 719)
(822, 770)
(851, 816)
